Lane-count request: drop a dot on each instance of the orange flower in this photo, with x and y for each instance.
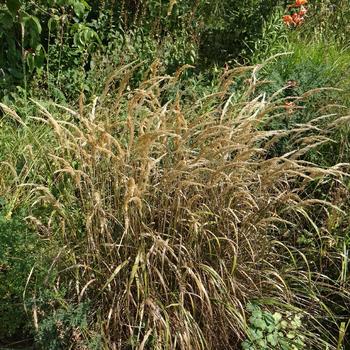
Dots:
(300, 3)
(288, 20)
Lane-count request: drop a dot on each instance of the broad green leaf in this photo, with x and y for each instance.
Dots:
(291, 335)
(259, 323)
(87, 35)
(79, 8)
(246, 346)
(16, 73)
(277, 317)
(33, 24)
(36, 24)
(284, 344)
(257, 313)
(13, 6)
(296, 322)
(262, 344)
(272, 339)
(269, 319)
(271, 328)
(284, 324)
(251, 307)
(6, 21)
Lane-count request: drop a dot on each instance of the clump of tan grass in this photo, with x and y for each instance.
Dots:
(173, 216)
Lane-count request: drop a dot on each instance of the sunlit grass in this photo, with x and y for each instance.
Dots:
(174, 216)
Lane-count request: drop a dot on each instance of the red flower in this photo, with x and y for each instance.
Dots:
(300, 3)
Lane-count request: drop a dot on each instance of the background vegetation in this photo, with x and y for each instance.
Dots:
(174, 175)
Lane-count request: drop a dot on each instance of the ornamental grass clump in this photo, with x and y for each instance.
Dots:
(173, 216)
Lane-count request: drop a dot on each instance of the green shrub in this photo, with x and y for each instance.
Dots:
(56, 40)
(18, 256)
(27, 32)
(60, 329)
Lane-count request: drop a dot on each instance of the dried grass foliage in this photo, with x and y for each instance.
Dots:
(173, 213)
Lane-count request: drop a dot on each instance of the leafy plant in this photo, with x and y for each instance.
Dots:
(18, 255)
(66, 325)
(28, 29)
(273, 331)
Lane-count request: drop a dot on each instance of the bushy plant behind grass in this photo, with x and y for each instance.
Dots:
(54, 41)
(14, 270)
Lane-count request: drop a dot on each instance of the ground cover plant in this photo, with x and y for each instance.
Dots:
(156, 195)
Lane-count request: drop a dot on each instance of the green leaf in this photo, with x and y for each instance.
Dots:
(34, 27)
(257, 313)
(78, 40)
(16, 73)
(6, 21)
(296, 322)
(36, 24)
(284, 324)
(30, 62)
(259, 323)
(251, 307)
(79, 9)
(13, 6)
(291, 335)
(272, 339)
(259, 334)
(87, 35)
(53, 22)
(246, 345)
(277, 316)
(40, 56)
(271, 328)
(262, 344)
(269, 319)
(284, 344)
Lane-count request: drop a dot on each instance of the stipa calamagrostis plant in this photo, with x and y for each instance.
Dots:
(173, 216)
